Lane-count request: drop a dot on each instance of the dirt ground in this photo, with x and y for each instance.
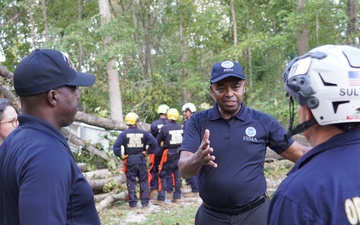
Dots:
(275, 172)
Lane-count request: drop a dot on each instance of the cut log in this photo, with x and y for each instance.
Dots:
(98, 184)
(100, 197)
(103, 173)
(109, 200)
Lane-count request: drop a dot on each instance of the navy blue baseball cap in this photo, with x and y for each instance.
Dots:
(226, 69)
(46, 69)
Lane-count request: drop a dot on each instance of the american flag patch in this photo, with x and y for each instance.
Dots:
(354, 78)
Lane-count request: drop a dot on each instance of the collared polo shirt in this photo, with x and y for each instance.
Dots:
(239, 146)
(40, 180)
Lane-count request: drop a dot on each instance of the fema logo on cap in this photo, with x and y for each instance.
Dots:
(68, 61)
(227, 64)
(250, 131)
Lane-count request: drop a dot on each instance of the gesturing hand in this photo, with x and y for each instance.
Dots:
(204, 151)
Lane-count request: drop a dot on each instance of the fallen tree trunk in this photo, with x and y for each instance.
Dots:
(100, 197)
(107, 124)
(98, 184)
(90, 148)
(97, 174)
(110, 199)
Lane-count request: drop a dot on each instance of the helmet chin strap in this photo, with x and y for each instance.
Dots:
(301, 127)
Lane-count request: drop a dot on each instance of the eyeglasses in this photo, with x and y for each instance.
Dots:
(14, 122)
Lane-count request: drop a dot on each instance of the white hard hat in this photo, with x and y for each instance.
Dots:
(327, 80)
(189, 106)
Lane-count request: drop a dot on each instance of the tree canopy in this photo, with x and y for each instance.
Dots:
(164, 50)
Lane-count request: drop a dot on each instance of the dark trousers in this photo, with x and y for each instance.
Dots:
(137, 171)
(155, 173)
(193, 182)
(170, 167)
(256, 216)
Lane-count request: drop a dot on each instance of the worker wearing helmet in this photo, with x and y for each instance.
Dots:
(323, 186)
(153, 159)
(188, 110)
(134, 141)
(157, 124)
(171, 135)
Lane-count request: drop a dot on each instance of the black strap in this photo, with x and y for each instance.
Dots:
(240, 210)
(301, 127)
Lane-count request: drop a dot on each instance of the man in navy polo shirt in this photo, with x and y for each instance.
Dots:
(40, 180)
(323, 187)
(227, 145)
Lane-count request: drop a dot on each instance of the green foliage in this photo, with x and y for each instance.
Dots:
(110, 186)
(270, 102)
(275, 170)
(267, 32)
(95, 162)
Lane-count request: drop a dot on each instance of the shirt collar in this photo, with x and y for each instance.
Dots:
(333, 142)
(215, 114)
(39, 124)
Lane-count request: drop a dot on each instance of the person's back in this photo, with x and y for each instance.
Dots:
(29, 166)
(161, 121)
(154, 160)
(323, 185)
(171, 135)
(134, 142)
(40, 180)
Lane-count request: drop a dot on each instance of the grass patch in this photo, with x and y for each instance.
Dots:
(182, 213)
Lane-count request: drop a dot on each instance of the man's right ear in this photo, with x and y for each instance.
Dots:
(52, 97)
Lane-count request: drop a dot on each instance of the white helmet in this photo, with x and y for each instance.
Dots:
(327, 80)
(189, 106)
(162, 109)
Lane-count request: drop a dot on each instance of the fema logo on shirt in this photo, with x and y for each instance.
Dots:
(250, 132)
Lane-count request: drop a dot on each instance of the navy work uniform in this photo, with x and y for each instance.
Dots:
(134, 141)
(237, 187)
(171, 135)
(323, 192)
(154, 130)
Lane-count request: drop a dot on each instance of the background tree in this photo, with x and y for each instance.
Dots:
(162, 51)
(111, 67)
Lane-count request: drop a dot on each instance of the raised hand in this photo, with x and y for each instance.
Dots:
(203, 154)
